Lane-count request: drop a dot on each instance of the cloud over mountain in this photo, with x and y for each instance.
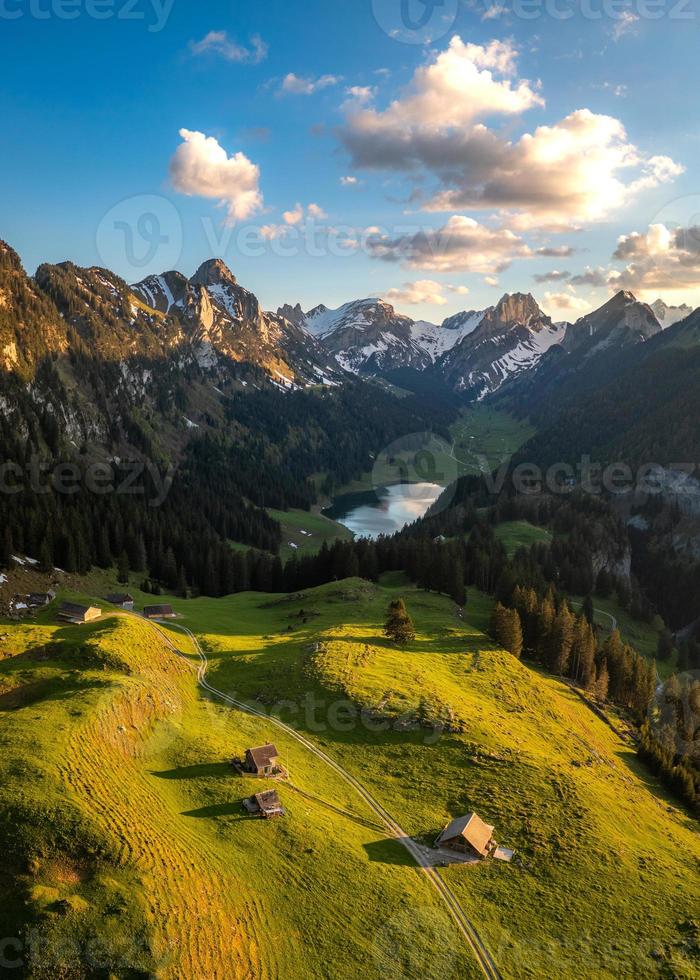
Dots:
(563, 174)
(460, 245)
(201, 167)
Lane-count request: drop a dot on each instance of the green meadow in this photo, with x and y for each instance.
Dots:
(134, 843)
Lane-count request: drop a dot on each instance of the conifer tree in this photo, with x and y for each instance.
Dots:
(506, 629)
(399, 626)
(561, 641)
(123, 569)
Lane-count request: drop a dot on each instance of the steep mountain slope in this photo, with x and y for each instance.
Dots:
(622, 322)
(475, 350)
(509, 339)
(226, 323)
(368, 336)
(668, 315)
(30, 325)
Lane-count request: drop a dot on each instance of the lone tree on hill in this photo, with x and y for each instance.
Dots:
(399, 626)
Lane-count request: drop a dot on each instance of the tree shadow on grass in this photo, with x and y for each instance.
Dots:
(35, 692)
(234, 809)
(388, 851)
(205, 770)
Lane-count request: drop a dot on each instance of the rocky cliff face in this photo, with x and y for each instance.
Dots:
(511, 338)
(669, 315)
(367, 336)
(621, 322)
(225, 322)
(96, 361)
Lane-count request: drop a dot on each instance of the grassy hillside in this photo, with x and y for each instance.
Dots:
(303, 533)
(609, 863)
(126, 843)
(104, 731)
(521, 534)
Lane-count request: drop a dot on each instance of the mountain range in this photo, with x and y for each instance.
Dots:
(170, 340)
(477, 351)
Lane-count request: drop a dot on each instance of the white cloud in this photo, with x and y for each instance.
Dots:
(597, 278)
(491, 280)
(201, 167)
(494, 10)
(218, 42)
(568, 303)
(556, 251)
(359, 95)
(558, 177)
(461, 245)
(272, 232)
(298, 213)
(296, 85)
(625, 23)
(565, 174)
(554, 276)
(659, 259)
(316, 212)
(349, 181)
(423, 291)
(453, 92)
(295, 216)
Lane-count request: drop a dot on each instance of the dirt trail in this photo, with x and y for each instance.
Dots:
(464, 924)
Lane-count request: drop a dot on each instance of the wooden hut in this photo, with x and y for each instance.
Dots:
(468, 835)
(262, 761)
(73, 613)
(159, 612)
(267, 805)
(121, 599)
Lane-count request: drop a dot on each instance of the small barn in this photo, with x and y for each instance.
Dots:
(121, 599)
(262, 761)
(468, 835)
(73, 613)
(37, 599)
(159, 612)
(268, 805)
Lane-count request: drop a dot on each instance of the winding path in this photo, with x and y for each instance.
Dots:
(464, 924)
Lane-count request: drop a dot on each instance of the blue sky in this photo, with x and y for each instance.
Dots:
(470, 156)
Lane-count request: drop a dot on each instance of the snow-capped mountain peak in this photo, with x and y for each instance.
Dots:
(668, 315)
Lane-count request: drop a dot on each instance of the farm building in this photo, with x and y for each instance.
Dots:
(73, 613)
(121, 599)
(159, 612)
(267, 805)
(468, 835)
(37, 599)
(262, 761)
